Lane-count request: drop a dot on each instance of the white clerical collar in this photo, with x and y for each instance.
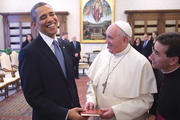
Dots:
(171, 70)
(125, 51)
(47, 39)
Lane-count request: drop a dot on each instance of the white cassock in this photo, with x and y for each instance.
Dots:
(130, 83)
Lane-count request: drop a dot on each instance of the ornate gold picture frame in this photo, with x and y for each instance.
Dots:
(96, 16)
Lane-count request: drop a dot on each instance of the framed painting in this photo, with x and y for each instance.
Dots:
(96, 16)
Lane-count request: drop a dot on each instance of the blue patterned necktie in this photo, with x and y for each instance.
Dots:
(74, 44)
(59, 56)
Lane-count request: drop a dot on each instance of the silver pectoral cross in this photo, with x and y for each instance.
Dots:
(104, 86)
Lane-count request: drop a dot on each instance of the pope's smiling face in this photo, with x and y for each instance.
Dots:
(46, 20)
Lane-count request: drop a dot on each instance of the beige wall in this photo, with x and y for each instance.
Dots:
(73, 7)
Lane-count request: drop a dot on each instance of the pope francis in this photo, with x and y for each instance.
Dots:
(121, 79)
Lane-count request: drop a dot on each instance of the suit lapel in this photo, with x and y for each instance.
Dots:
(45, 49)
(66, 58)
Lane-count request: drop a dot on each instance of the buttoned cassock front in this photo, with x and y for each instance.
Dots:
(129, 85)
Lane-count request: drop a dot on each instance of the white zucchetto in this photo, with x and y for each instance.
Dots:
(125, 27)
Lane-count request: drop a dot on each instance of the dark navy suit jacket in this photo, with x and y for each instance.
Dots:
(76, 49)
(147, 50)
(44, 85)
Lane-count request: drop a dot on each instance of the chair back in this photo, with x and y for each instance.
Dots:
(14, 58)
(5, 61)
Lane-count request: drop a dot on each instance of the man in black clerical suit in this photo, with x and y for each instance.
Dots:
(166, 57)
(51, 92)
(76, 49)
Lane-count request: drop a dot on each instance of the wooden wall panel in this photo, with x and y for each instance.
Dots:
(17, 25)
